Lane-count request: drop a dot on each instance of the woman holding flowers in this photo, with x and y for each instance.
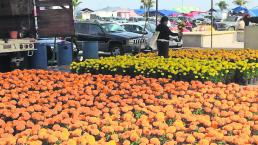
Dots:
(163, 39)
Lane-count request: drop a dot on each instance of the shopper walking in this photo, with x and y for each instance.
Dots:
(163, 39)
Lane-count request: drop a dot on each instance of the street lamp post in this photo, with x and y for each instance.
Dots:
(157, 10)
(211, 24)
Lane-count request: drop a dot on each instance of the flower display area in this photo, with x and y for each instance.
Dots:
(50, 107)
(219, 65)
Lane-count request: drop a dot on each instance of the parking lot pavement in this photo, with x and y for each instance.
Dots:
(233, 45)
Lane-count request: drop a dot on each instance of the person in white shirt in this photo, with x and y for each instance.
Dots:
(241, 24)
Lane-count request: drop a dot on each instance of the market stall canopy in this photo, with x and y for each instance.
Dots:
(240, 9)
(194, 13)
(164, 13)
(186, 9)
(254, 12)
(141, 11)
(168, 12)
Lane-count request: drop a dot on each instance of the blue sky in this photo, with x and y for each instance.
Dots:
(164, 4)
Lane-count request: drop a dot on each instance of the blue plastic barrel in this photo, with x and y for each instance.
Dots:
(90, 49)
(39, 59)
(65, 53)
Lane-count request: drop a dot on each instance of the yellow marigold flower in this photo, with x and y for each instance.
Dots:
(11, 140)
(72, 142)
(112, 142)
(204, 142)
(90, 139)
(82, 140)
(160, 116)
(77, 132)
(179, 124)
(65, 134)
(35, 143)
(171, 129)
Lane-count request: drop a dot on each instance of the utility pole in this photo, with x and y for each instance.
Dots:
(157, 11)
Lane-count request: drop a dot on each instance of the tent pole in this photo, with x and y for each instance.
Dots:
(157, 9)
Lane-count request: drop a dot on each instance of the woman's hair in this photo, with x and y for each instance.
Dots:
(163, 19)
(246, 16)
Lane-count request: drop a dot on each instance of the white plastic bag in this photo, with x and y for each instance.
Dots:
(153, 41)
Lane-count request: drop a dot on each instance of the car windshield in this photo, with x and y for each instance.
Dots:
(111, 27)
(231, 19)
(152, 28)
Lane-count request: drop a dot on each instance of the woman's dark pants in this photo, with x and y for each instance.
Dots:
(163, 48)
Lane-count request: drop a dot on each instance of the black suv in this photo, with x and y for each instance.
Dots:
(110, 36)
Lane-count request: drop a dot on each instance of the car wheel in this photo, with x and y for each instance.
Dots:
(231, 29)
(116, 50)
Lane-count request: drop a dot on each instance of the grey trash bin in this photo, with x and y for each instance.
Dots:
(65, 53)
(90, 49)
(39, 59)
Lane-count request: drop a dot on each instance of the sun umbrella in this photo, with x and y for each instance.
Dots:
(240, 9)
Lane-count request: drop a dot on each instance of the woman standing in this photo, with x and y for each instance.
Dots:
(246, 19)
(163, 39)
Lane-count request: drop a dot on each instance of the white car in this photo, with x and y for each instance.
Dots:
(138, 27)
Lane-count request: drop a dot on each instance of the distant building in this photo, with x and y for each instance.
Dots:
(126, 13)
(86, 14)
(115, 12)
(107, 12)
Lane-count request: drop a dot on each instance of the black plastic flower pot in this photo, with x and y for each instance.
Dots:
(244, 82)
(255, 80)
(249, 81)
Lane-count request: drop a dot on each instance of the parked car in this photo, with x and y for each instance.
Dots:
(111, 37)
(254, 20)
(205, 19)
(136, 19)
(120, 20)
(229, 24)
(138, 27)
